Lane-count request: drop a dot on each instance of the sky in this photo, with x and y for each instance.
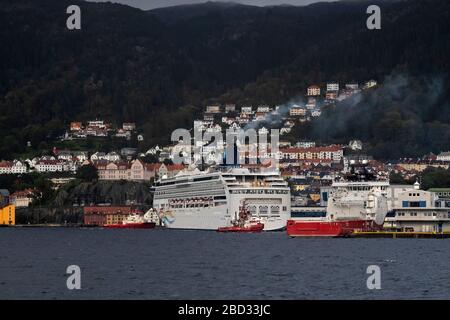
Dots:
(151, 4)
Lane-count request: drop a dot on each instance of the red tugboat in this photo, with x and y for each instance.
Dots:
(245, 222)
(357, 204)
(134, 221)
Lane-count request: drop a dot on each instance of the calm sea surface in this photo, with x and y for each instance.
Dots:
(169, 264)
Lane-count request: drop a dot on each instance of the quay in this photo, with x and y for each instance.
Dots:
(400, 234)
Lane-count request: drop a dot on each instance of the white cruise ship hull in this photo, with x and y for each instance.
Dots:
(198, 219)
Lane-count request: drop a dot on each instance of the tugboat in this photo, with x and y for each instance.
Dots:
(245, 222)
(134, 221)
(357, 204)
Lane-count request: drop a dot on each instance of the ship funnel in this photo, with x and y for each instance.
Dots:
(417, 185)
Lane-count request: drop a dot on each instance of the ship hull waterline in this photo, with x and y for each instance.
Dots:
(331, 229)
(146, 225)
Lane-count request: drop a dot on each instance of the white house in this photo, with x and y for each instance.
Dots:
(297, 111)
(112, 156)
(443, 156)
(80, 156)
(419, 211)
(246, 110)
(369, 84)
(313, 90)
(153, 150)
(355, 145)
(264, 109)
(13, 167)
(64, 155)
(230, 107)
(129, 126)
(213, 109)
(305, 144)
(263, 131)
(98, 156)
(352, 86)
(316, 113)
(51, 166)
(332, 86)
(19, 167)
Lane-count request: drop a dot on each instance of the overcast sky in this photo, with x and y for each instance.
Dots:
(150, 4)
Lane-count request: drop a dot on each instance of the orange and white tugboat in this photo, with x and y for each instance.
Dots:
(136, 220)
(245, 222)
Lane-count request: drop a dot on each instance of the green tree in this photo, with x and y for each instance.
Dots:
(87, 173)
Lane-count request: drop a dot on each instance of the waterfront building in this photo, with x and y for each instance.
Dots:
(417, 210)
(22, 198)
(101, 215)
(7, 210)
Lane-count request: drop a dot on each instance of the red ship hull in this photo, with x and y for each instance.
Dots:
(147, 225)
(296, 228)
(258, 227)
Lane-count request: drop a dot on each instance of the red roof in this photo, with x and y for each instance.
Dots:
(172, 167)
(152, 166)
(6, 164)
(50, 162)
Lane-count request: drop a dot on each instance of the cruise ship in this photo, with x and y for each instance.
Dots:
(209, 200)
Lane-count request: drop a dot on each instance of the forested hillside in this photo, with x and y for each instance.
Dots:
(159, 68)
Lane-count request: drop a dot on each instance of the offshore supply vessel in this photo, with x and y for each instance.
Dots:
(357, 204)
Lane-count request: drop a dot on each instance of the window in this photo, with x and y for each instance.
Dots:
(263, 210)
(275, 210)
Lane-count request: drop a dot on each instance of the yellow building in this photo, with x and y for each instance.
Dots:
(8, 215)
